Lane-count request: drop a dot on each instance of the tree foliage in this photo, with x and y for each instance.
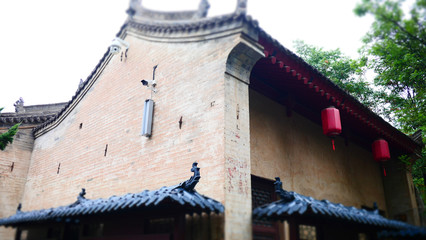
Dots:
(7, 137)
(396, 50)
(395, 47)
(347, 73)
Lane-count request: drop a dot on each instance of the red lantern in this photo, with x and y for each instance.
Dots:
(381, 152)
(331, 125)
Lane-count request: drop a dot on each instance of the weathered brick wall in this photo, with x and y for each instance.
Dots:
(238, 205)
(295, 149)
(12, 181)
(190, 79)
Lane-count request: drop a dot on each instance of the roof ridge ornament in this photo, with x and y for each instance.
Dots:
(189, 184)
(284, 195)
(203, 9)
(241, 7)
(137, 9)
(80, 198)
(18, 209)
(19, 105)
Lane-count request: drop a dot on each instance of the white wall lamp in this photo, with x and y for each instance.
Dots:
(117, 45)
(149, 106)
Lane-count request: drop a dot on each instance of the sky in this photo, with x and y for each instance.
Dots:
(47, 46)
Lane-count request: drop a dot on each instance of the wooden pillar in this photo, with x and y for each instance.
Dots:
(294, 229)
(18, 234)
(179, 227)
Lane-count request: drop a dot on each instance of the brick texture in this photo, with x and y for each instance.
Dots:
(12, 181)
(111, 114)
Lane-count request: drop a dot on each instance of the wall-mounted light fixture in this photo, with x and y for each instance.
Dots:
(149, 105)
(117, 45)
(147, 118)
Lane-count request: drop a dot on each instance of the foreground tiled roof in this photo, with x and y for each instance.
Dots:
(182, 195)
(410, 233)
(296, 205)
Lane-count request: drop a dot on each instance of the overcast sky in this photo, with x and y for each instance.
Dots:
(47, 46)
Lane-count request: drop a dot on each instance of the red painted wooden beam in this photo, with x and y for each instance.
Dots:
(273, 59)
(287, 69)
(266, 53)
(280, 64)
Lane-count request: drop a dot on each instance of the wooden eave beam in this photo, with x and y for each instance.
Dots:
(300, 73)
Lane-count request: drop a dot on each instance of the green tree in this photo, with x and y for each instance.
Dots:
(7, 137)
(396, 50)
(347, 73)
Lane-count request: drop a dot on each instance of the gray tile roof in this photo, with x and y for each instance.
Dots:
(293, 204)
(182, 195)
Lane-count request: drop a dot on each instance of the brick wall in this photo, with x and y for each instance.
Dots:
(12, 181)
(190, 83)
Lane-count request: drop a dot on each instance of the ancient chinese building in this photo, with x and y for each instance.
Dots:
(220, 98)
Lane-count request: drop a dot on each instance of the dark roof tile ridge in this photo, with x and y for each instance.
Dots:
(193, 23)
(183, 193)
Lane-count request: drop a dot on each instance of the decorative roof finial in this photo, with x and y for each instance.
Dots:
(19, 105)
(133, 7)
(375, 208)
(203, 9)
(18, 209)
(284, 195)
(81, 195)
(241, 7)
(80, 198)
(189, 184)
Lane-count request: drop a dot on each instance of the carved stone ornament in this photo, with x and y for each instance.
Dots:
(241, 7)
(19, 105)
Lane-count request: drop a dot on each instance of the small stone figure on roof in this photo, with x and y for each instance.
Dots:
(203, 9)
(19, 105)
(18, 209)
(241, 7)
(133, 7)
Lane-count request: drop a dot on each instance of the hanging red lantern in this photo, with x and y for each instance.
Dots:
(381, 152)
(331, 125)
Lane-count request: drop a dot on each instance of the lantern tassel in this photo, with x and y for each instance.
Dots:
(332, 142)
(384, 171)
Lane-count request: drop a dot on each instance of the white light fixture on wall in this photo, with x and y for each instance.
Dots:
(149, 106)
(147, 118)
